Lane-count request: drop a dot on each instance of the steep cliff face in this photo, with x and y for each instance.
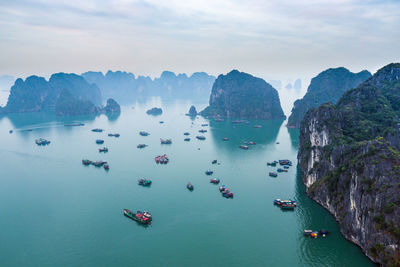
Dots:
(37, 94)
(241, 95)
(328, 86)
(350, 157)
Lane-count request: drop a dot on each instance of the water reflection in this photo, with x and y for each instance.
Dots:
(238, 133)
(294, 137)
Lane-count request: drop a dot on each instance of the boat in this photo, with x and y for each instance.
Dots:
(114, 135)
(273, 174)
(283, 162)
(143, 133)
(104, 149)
(202, 131)
(227, 194)
(281, 170)
(97, 130)
(314, 234)
(11, 131)
(287, 206)
(204, 125)
(214, 161)
(222, 188)
(186, 133)
(99, 163)
(286, 167)
(257, 126)
(161, 122)
(225, 139)
(273, 164)
(106, 167)
(323, 232)
(166, 141)
(201, 137)
(141, 145)
(249, 143)
(86, 162)
(189, 186)
(244, 147)
(99, 141)
(215, 181)
(277, 143)
(307, 232)
(142, 217)
(42, 142)
(209, 172)
(144, 182)
(161, 159)
(186, 139)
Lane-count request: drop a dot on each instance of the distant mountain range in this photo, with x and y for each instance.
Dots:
(125, 87)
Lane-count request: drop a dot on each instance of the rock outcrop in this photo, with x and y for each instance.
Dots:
(154, 111)
(241, 95)
(112, 106)
(192, 111)
(328, 86)
(349, 154)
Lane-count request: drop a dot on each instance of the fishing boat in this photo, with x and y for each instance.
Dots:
(99, 141)
(222, 188)
(166, 141)
(281, 170)
(286, 167)
(186, 133)
(11, 131)
(42, 142)
(204, 125)
(161, 159)
(141, 145)
(215, 181)
(189, 186)
(144, 182)
(209, 172)
(249, 143)
(225, 139)
(104, 149)
(257, 126)
(142, 217)
(97, 130)
(283, 162)
(161, 122)
(106, 167)
(273, 164)
(244, 147)
(86, 162)
(273, 174)
(202, 131)
(289, 202)
(307, 232)
(143, 133)
(201, 137)
(186, 139)
(99, 163)
(227, 194)
(114, 135)
(287, 206)
(214, 161)
(314, 234)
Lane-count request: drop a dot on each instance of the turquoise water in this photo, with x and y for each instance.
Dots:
(56, 212)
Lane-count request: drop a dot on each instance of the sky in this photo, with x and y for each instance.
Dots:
(272, 39)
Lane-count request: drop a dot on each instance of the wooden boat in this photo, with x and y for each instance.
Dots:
(201, 137)
(99, 141)
(166, 141)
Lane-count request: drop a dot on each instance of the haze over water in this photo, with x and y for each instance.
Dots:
(57, 212)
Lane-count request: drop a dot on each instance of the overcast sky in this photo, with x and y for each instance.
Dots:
(271, 39)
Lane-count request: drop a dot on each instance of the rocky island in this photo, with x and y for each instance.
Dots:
(192, 112)
(349, 154)
(154, 111)
(328, 86)
(64, 94)
(241, 95)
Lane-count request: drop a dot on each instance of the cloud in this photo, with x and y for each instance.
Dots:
(272, 37)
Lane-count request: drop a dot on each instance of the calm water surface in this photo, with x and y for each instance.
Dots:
(56, 212)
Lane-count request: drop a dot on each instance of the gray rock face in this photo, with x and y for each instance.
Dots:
(112, 106)
(241, 95)
(192, 111)
(349, 154)
(328, 86)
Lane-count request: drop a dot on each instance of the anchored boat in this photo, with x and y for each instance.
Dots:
(144, 182)
(104, 149)
(142, 217)
(166, 141)
(200, 137)
(99, 141)
(189, 186)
